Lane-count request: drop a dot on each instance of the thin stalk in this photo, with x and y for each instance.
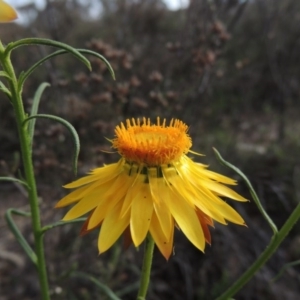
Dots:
(146, 268)
(265, 256)
(25, 143)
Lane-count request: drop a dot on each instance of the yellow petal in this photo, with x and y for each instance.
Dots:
(175, 182)
(230, 214)
(186, 218)
(79, 193)
(193, 187)
(88, 203)
(154, 183)
(209, 189)
(197, 170)
(164, 244)
(164, 216)
(222, 190)
(111, 228)
(205, 199)
(135, 181)
(200, 199)
(159, 188)
(209, 207)
(141, 214)
(115, 193)
(128, 200)
(218, 177)
(7, 13)
(102, 174)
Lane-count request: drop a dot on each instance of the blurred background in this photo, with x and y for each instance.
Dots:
(230, 69)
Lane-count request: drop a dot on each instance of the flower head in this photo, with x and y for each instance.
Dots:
(153, 188)
(7, 13)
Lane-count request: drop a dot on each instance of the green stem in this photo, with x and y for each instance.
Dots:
(25, 143)
(264, 257)
(146, 269)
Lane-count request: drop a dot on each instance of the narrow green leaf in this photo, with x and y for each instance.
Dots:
(128, 289)
(4, 89)
(18, 235)
(251, 189)
(108, 292)
(70, 127)
(101, 57)
(35, 107)
(286, 267)
(61, 223)
(13, 180)
(4, 74)
(46, 42)
(26, 74)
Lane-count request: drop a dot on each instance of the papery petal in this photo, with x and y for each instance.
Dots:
(198, 170)
(198, 199)
(230, 214)
(164, 217)
(186, 219)
(204, 221)
(135, 180)
(223, 190)
(164, 244)
(102, 175)
(7, 13)
(85, 205)
(111, 228)
(80, 193)
(84, 229)
(114, 194)
(141, 214)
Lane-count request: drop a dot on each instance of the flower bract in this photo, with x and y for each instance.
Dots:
(153, 189)
(7, 13)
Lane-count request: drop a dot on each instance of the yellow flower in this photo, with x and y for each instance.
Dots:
(7, 13)
(153, 188)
